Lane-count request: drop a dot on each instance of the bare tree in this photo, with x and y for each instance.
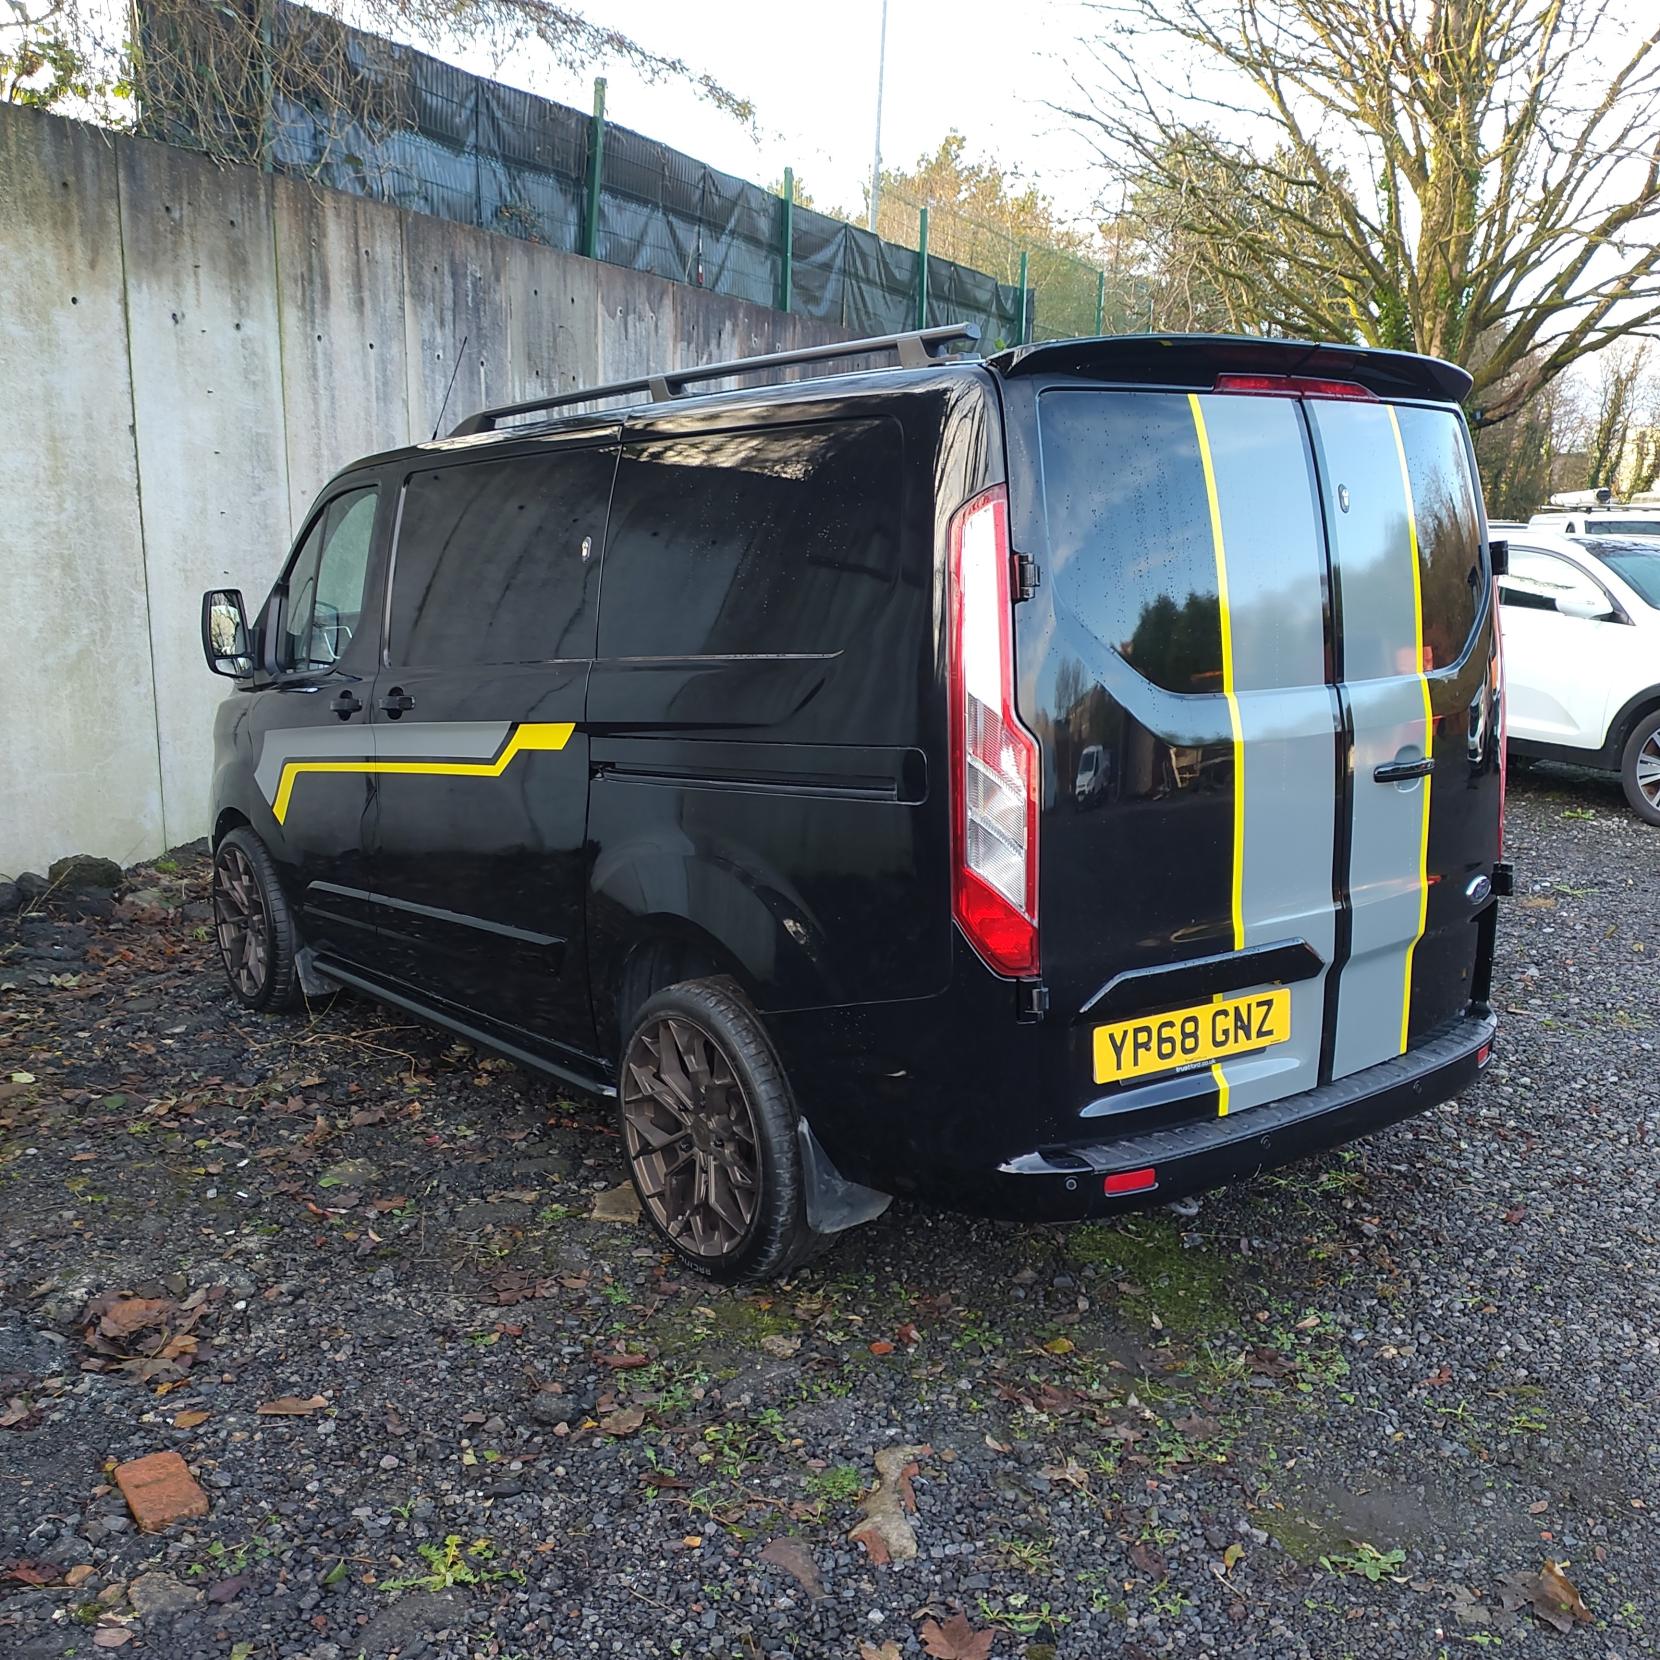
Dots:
(1478, 179)
(1622, 386)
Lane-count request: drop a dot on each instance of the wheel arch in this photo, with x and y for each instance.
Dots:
(1645, 703)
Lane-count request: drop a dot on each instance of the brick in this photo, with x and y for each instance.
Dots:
(160, 1490)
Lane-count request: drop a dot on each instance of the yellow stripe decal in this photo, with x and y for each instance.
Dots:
(1429, 718)
(1233, 709)
(530, 736)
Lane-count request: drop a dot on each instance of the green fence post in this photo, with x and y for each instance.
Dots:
(922, 268)
(596, 161)
(1020, 332)
(1100, 300)
(786, 242)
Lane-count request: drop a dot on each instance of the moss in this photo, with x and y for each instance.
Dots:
(1191, 1290)
(1304, 1539)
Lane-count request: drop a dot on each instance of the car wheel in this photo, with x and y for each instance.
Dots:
(1640, 768)
(709, 1125)
(254, 926)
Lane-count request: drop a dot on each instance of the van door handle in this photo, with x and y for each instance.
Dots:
(346, 704)
(1397, 772)
(396, 702)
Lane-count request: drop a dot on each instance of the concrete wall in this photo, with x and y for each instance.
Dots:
(187, 354)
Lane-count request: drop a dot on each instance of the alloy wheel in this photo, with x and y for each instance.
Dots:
(1648, 768)
(691, 1137)
(241, 921)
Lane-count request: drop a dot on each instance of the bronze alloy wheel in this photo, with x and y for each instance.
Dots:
(241, 919)
(691, 1137)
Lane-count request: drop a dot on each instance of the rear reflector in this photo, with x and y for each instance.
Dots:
(1484, 1054)
(1132, 1181)
(1294, 386)
(994, 759)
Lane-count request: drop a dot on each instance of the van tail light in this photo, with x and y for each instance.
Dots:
(994, 760)
(1294, 386)
(1500, 701)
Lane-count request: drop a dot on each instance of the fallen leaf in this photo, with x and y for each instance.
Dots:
(1557, 1600)
(23, 1077)
(793, 1557)
(692, 1541)
(1232, 1556)
(394, 1201)
(1438, 1378)
(908, 1335)
(881, 1347)
(624, 1421)
(623, 1363)
(885, 1530)
(1059, 1346)
(124, 1315)
(956, 1639)
(290, 1406)
(79, 1574)
(888, 1651)
(33, 1573)
(779, 1346)
(1149, 1559)
(189, 1420)
(1515, 1214)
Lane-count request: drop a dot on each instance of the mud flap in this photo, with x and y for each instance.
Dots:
(833, 1202)
(313, 982)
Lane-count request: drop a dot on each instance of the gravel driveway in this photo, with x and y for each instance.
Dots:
(1349, 1410)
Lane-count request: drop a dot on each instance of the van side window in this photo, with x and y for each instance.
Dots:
(490, 565)
(1452, 558)
(324, 607)
(775, 540)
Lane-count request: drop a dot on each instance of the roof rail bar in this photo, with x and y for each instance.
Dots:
(915, 348)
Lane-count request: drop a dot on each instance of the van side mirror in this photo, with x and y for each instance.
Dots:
(225, 634)
(1498, 556)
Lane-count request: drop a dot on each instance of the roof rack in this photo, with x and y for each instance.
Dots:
(915, 350)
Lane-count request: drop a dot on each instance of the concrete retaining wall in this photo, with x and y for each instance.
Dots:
(187, 354)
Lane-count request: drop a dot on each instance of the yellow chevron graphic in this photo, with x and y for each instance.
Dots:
(531, 735)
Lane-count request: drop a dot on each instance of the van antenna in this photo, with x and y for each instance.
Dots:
(436, 425)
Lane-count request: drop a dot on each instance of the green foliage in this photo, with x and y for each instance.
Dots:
(449, 1564)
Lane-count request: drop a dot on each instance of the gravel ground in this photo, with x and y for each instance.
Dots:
(1350, 1410)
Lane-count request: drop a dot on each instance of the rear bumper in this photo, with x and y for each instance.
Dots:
(1068, 1183)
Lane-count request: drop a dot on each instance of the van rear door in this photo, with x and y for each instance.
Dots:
(1238, 918)
(1414, 659)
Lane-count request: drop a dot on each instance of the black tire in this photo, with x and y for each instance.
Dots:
(709, 1126)
(253, 924)
(1640, 767)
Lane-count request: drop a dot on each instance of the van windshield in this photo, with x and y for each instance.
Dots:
(1637, 563)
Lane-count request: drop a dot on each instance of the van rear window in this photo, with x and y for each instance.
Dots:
(763, 541)
(1132, 550)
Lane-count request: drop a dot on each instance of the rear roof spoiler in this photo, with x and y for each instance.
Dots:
(1195, 360)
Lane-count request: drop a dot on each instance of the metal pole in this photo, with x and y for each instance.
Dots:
(922, 268)
(786, 242)
(1100, 301)
(596, 161)
(876, 162)
(1021, 340)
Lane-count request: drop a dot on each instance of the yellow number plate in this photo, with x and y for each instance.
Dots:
(1187, 1037)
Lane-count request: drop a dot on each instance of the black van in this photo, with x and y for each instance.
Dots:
(721, 754)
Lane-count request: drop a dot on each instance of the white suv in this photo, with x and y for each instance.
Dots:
(1582, 654)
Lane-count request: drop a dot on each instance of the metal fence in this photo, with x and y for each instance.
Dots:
(305, 95)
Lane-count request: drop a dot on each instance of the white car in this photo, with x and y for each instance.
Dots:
(1581, 618)
(1605, 519)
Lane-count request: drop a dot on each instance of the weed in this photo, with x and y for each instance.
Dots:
(1035, 1556)
(1365, 1562)
(549, 1214)
(449, 1565)
(836, 1485)
(1015, 1613)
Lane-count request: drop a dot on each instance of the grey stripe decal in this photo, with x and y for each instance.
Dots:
(387, 740)
(1271, 537)
(1371, 537)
